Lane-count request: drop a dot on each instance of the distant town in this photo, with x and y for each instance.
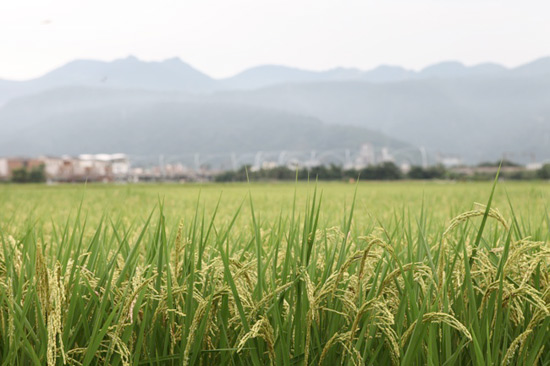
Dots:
(92, 168)
(260, 166)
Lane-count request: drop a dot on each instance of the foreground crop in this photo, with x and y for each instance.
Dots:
(473, 291)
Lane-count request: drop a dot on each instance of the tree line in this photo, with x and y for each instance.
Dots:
(383, 171)
(35, 174)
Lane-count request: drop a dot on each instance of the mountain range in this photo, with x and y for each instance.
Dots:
(175, 75)
(477, 112)
(74, 120)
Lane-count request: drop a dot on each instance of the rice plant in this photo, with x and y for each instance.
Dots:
(242, 289)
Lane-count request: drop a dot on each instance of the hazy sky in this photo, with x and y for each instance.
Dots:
(223, 37)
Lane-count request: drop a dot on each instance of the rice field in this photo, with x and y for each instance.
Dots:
(283, 274)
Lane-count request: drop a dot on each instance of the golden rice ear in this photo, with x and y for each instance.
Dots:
(54, 315)
(179, 246)
(493, 213)
(437, 318)
(42, 282)
(199, 313)
(11, 311)
(514, 346)
(336, 338)
(392, 344)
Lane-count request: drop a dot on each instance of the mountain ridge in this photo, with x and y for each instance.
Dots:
(152, 123)
(177, 76)
(480, 112)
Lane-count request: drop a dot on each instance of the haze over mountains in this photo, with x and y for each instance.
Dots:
(477, 112)
(175, 75)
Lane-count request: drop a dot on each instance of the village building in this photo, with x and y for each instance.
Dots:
(4, 171)
(87, 167)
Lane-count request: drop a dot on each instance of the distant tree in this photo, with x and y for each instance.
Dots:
(233, 175)
(544, 172)
(351, 174)
(416, 172)
(389, 171)
(433, 172)
(20, 175)
(505, 163)
(23, 175)
(384, 171)
(520, 175)
(37, 174)
(322, 172)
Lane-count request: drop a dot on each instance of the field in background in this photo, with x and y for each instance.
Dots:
(280, 273)
(374, 201)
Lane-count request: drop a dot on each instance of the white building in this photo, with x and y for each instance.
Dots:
(534, 166)
(385, 156)
(120, 165)
(104, 165)
(450, 162)
(366, 156)
(4, 168)
(53, 166)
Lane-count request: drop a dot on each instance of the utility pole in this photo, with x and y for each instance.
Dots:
(347, 159)
(258, 160)
(281, 160)
(234, 161)
(161, 165)
(197, 162)
(424, 157)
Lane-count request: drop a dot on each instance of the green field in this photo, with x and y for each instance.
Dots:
(286, 274)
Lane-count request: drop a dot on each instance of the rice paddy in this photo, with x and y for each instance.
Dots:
(283, 274)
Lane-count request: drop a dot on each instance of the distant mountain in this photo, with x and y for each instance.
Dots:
(537, 68)
(384, 74)
(478, 112)
(169, 75)
(130, 73)
(270, 75)
(262, 76)
(29, 112)
(453, 69)
(174, 75)
(146, 123)
(478, 119)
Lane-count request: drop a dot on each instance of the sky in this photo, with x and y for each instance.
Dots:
(224, 37)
